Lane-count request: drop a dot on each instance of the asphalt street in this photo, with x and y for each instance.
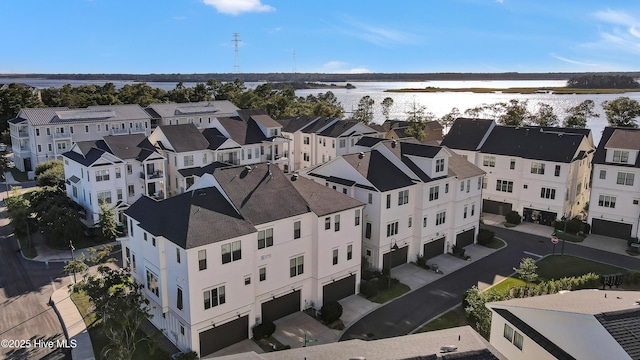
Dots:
(407, 313)
(25, 289)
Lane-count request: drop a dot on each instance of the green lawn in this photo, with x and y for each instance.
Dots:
(19, 175)
(454, 318)
(390, 294)
(559, 266)
(506, 284)
(570, 237)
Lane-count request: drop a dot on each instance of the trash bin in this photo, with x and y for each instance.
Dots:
(635, 247)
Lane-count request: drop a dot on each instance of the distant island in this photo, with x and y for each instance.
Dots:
(315, 77)
(298, 85)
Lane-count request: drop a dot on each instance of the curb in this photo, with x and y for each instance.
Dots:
(75, 330)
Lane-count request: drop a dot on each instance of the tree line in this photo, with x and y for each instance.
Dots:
(283, 102)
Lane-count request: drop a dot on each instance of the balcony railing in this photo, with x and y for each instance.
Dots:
(21, 134)
(61, 135)
(157, 174)
(276, 157)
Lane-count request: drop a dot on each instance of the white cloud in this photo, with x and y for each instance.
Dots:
(500, 1)
(342, 67)
(236, 7)
(616, 17)
(622, 35)
(376, 34)
(574, 62)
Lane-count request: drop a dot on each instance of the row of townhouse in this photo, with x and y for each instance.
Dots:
(42, 134)
(614, 208)
(315, 140)
(245, 245)
(421, 200)
(543, 173)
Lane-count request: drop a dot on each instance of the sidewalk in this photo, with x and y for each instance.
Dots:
(604, 243)
(73, 324)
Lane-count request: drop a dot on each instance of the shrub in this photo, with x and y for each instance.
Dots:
(485, 236)
(513, 218)
(384, 282)
(632, 277)
(574, 225)
(421, 260)
(264, 330)
(331, 311)
(191, 355)
(369, 288)
(371, 274)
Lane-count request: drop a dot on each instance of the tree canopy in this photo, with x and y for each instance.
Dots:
(578, 115)
(622, 111)
(603, 82)
(364, 112)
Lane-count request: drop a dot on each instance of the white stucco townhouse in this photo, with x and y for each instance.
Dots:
(420, 199)
(614, 208)
(581, 324)
(319, 139)
(246, 244)
(543, 173)
(117, 170)
(43, 134)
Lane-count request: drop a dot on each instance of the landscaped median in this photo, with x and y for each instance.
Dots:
(380, 288)
(555, 273)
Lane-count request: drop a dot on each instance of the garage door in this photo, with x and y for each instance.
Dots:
(280, 307)
(496, 207)
(466, 238)
(399, 257)
(225, 335)
(339, 290)
(611, 228)
(433, 248)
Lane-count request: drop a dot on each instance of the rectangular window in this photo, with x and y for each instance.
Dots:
(257, 153)
(102, 175)
(607, 201)
(204, 157)
(305, 156)
(214, 297)
(236, 250)
(335, 257)
(99, 128)
(619, 156)
(152, 283)
(512, 165)
(131, 190)
(336, 223)
(462, 185)
(188, 160)
(468, 185)
(392, 228)
(410, 221)
(489, 161)
(144, 236)
(625, 178)
(370, 198)
(249, 154)
(504, 186)
(367, 230)
(508, 332)
(247, 281)
(465, 213)
(473, 209)
(446, 188)
(262, 272)
(327, 223)
(265, 238)
(306, 140)
(129, 169)
(388, 201)
(480, 181)
(603, 174)
(37, 132)
(202, 259)
(86, 128)
(296, 229)
(537, 168)
(518, 340)
(74, 190)
(104, 196)
(179, 304)
(557, 172)
(153, 241)
(48, 132)
(296, 266)
(441, 217)
(424, 221)
(357, 217)
(349, 252)
(547, 193)
(403, 197)
(439, 165)
(343, 143)
(39, 148)
(118, 173)
(434, 193)
(484, 182)
(178, 255)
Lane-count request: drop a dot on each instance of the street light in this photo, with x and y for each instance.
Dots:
(564, 220)
(72, 258)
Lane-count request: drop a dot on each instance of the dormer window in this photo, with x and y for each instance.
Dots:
(439, 165)
(274, 132)
(620, 156)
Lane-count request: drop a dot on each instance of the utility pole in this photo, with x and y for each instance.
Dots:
(236, 58)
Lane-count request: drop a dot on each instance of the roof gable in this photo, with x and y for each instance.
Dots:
(184, 137)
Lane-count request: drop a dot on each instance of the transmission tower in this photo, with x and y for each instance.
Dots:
(236, 58)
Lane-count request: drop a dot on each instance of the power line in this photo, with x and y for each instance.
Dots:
(236, 58)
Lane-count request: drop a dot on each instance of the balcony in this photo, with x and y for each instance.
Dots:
(20, 134)
(157, 174)
(61, 135)
(277, 157)
(119, 131)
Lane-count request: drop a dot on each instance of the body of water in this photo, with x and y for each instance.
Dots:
(437, 103)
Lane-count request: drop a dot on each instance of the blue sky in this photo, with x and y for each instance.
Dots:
(333, 36)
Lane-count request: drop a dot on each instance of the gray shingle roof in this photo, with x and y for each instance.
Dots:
(263, 194)
(338, 128)
(321, 199)
(191, 219)
(624, 139)
(291, 125)
(184, 137)
(378, 170)
(369, 141)
(127, 146)
(242, 132)
(601, 152)
(317, 125)
(204, 108)
(624, 327)
(466, 134)
(461, 168)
